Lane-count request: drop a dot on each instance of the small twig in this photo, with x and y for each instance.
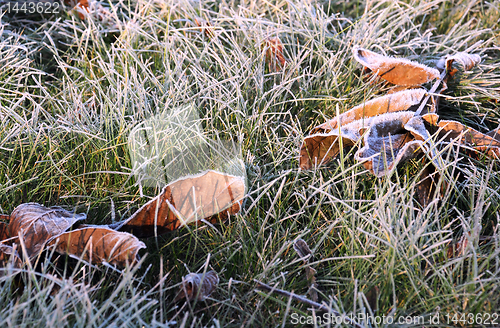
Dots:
(433, 90)
(320, 307)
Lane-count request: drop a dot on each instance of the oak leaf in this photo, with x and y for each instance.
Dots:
(398, 71)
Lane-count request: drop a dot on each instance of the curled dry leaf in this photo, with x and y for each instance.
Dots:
(197, 286)
(274, 54)
(37, 224)
(392, 138)
(323, 144)
(301, 247)
(96, 244)
(209, 195)
(468, 61)
(398, 71)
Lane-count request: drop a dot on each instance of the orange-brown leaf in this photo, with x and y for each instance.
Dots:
(186, 200)
(405, 100)
(96, 244)
(274, 54)
(37, 224)
(323, 145)
(198, 286)
(395, 70)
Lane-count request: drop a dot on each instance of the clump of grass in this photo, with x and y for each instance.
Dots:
(63, 141)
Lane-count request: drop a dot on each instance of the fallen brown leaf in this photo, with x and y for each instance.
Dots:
(37, 224)
(274, 54)
(391, 139)
(211, 195)
(406, 100)
(97, 244)
(197, 286)
(322, 144)
(468, 61)
(301, 247)
(398, 71)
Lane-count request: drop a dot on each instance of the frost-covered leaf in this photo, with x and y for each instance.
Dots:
(301, 247)
(387, 140)
(398, 71)
(468, 61)
(406, 100)
(37, 224)
(322, 145)
(392, 138)
(211, 195)
(197, 286)
(97, 244)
